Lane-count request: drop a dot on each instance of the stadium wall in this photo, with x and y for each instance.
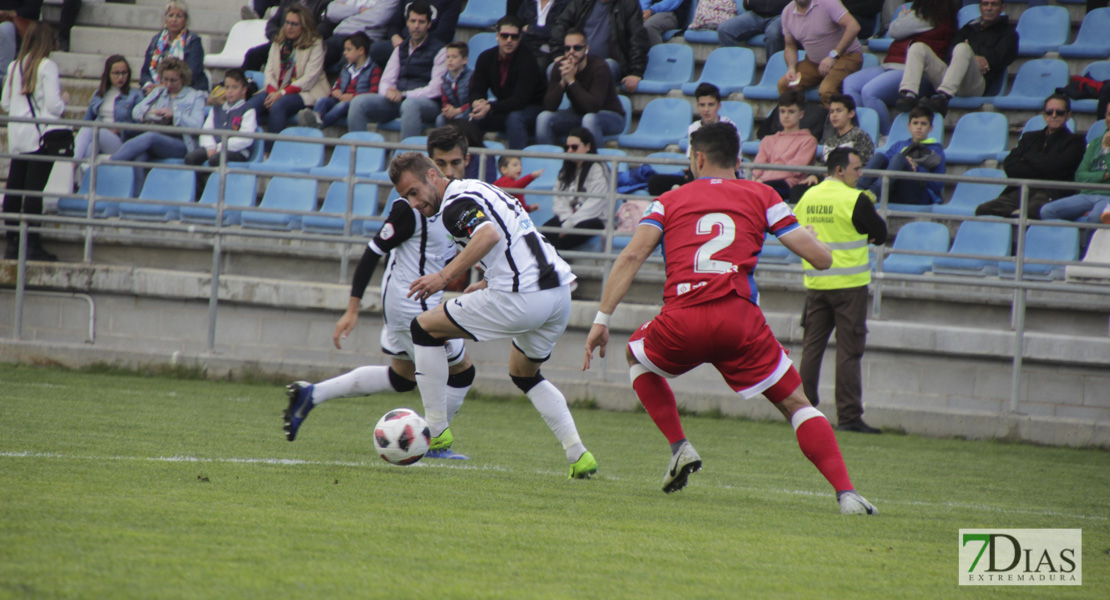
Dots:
(922, 378)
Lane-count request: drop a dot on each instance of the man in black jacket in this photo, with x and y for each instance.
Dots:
(1049, 154)
(614, 31)
(445, 18)
(509, 71)
(981, 51)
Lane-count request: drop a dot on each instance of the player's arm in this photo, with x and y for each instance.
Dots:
(463, 219)
(802, 242)
(624, 270)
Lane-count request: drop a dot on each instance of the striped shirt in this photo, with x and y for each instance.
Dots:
(416, 246)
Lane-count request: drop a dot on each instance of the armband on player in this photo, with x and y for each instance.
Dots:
(602, 319)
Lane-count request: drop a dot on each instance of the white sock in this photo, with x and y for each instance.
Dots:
(363, 381)
(431, 378)
(455, 396)
(553, 407)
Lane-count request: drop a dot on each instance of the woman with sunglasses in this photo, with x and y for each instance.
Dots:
(177, 41)
(579, 212)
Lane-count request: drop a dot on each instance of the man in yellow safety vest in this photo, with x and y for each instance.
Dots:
(844, 218)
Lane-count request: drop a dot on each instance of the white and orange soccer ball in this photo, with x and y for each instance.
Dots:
(401, 437)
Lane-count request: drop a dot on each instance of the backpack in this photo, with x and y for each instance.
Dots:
(1081, 88)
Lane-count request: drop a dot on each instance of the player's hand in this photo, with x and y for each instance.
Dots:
(984, 66)
(536, 174)
(344, 327)
(826, 65)
(427, 286)
(394, 95)
(477, 285)
(598, 338)
(811, 180)
(631, 82)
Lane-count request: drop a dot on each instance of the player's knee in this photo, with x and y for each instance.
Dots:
(399, 383)
(421, 337)
(462, 379)
(527, 383)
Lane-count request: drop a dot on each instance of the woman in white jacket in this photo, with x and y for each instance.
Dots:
(579, 212)
(32, 90)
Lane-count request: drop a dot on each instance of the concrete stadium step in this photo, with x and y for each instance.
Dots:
(129, 16)
(106, 41)
(195, 5)
(82, 65)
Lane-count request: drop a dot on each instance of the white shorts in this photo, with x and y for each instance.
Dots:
(398, 344)
(534, 320)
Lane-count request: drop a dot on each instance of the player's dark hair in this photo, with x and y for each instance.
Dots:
(719, 143)
(839, 159)
(848, 102)
(411, 162)
(793, 98)
(503, 161)
(446, 139)
(707, 89)
(1063, 98)
(575, 31)
(510, 21)
(420, 7)
(462, 47)
(573, 168)
(237, 76)
(359, 40)
(919, 111)
(106, 76)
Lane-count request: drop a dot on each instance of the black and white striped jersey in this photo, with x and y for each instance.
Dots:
(417, 246)
(523, 261)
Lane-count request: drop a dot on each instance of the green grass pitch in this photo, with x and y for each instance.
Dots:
(120, 486)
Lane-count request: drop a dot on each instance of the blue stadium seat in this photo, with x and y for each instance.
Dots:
(1043, 29)
(899, 131)
(967, 195)
(995, 87)
(283, 193)
(112, 181)
(730, 69)
(478, 44)
(367, 160)
(966, 14)
(546, 181)
(868, 121)
(364, 204)
(881, 45)
(669, 169)
(768, 86)
(1045, 243)
(740, 113)
(1096, 131)
(1035, 80)
(258, 77)
(1092, 40)
(621, 166)
(987, 239)
(1100, 71)
(240, 191)
(171, 185)
(258, 151)
(627, 105)
(977, 137)
(482, 14)
(297, 157)
(664, 121)
(690, 8)
(668, 67)
(921, 236)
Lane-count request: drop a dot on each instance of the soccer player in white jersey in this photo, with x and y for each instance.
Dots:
(416, 246)
(525, 296)
(713, 229)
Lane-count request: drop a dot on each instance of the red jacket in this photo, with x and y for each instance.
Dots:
(936, 39)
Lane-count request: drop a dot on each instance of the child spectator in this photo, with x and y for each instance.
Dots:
(232, 114)
(791, 146)
(510, 169)
(358, 76)
(919, 154)
(708, 98)
(456, 85)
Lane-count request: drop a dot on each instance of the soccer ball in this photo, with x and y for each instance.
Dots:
(401, 437)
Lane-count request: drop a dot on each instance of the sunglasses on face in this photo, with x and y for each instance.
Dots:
(573, 147)
(574, 47)
(121, 73)
(509, 36)
(1055, 112)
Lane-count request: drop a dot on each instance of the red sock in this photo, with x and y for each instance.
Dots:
(657, 397)
(818, 443)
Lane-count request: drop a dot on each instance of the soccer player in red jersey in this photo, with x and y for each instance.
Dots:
(713, 229)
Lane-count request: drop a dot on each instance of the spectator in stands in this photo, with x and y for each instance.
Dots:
(711, 14)
(866, 13)
(473, 136)
(33, 90)
(112, 102)
(294, 71)
(455, 85)
(1049, 154)
(930, 22)
(511, 169)
(791, 146)
(841, 131)
(177, 41)
(588, 84)
(981, 51)
(255, 59)
(708, 99)
(828, 33)
(233, 114)
(171, 102)
(661, 16)
(919, 154)
(15, 19)
(623, 44)
(509, 73)
(579, 212)
(357, 76)
(410, 86)
(66, 21)
(445, 18)
(256, 9)
(1094, 168)
(538, 16)
(345, 17)
(758, 16)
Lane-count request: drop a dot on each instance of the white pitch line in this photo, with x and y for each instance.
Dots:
(454, 464)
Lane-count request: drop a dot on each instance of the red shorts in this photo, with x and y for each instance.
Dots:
(729, 333)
